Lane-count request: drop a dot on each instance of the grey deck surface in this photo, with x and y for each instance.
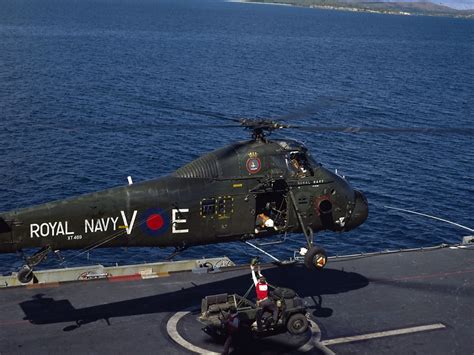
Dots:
(353, 297)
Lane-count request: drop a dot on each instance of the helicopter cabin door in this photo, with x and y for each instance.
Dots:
(270, 213)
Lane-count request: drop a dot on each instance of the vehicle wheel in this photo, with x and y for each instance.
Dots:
(315, 258)
(297, 324)
(25, 274)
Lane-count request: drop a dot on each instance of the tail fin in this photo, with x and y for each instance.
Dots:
(6, 243)
(4, 226)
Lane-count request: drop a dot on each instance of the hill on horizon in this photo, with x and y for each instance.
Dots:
(412, 7)
(422, 4)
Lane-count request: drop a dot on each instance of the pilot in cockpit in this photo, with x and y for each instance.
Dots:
(299, 164)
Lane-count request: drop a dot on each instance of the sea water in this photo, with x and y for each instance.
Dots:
(93, 91)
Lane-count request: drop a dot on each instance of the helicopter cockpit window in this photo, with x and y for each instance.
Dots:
(313, 163)
(299, 165)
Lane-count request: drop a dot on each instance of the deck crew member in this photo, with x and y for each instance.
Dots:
(264, 303)
(231, 324)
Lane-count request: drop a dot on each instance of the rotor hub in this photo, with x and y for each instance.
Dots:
(261, 127)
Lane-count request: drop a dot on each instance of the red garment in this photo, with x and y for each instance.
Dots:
(262, 291)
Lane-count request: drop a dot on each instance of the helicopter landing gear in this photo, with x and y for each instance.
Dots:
(315, 258)
(25, 274)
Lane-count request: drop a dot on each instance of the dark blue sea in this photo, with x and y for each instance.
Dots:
(88, 89)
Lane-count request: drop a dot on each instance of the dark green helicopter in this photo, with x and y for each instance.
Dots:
(247, 190)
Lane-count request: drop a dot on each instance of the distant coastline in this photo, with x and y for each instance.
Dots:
(386, 8)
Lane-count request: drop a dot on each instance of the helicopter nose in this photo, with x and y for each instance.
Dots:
(361, 211)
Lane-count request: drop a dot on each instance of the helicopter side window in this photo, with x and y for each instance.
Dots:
(224, 205)
(220, 206)
(208, 207)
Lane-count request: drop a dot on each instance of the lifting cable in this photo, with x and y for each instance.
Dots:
(261, 250)
(246, 295)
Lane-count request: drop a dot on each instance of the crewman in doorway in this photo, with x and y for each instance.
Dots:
(263, 221)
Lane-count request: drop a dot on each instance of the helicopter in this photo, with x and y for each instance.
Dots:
(251, 189)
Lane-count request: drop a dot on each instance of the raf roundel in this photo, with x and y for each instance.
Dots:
(155, 222)
(253, 165)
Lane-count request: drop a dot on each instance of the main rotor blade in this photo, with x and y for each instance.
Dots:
(204, 113)
(162, 126)
(159, 105)
(117, 127)
(427, 130)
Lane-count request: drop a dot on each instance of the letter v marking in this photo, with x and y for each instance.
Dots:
(129, 226)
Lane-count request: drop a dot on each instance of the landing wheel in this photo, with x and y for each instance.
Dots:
(297, 324)
(315, 258)
(25, 274)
